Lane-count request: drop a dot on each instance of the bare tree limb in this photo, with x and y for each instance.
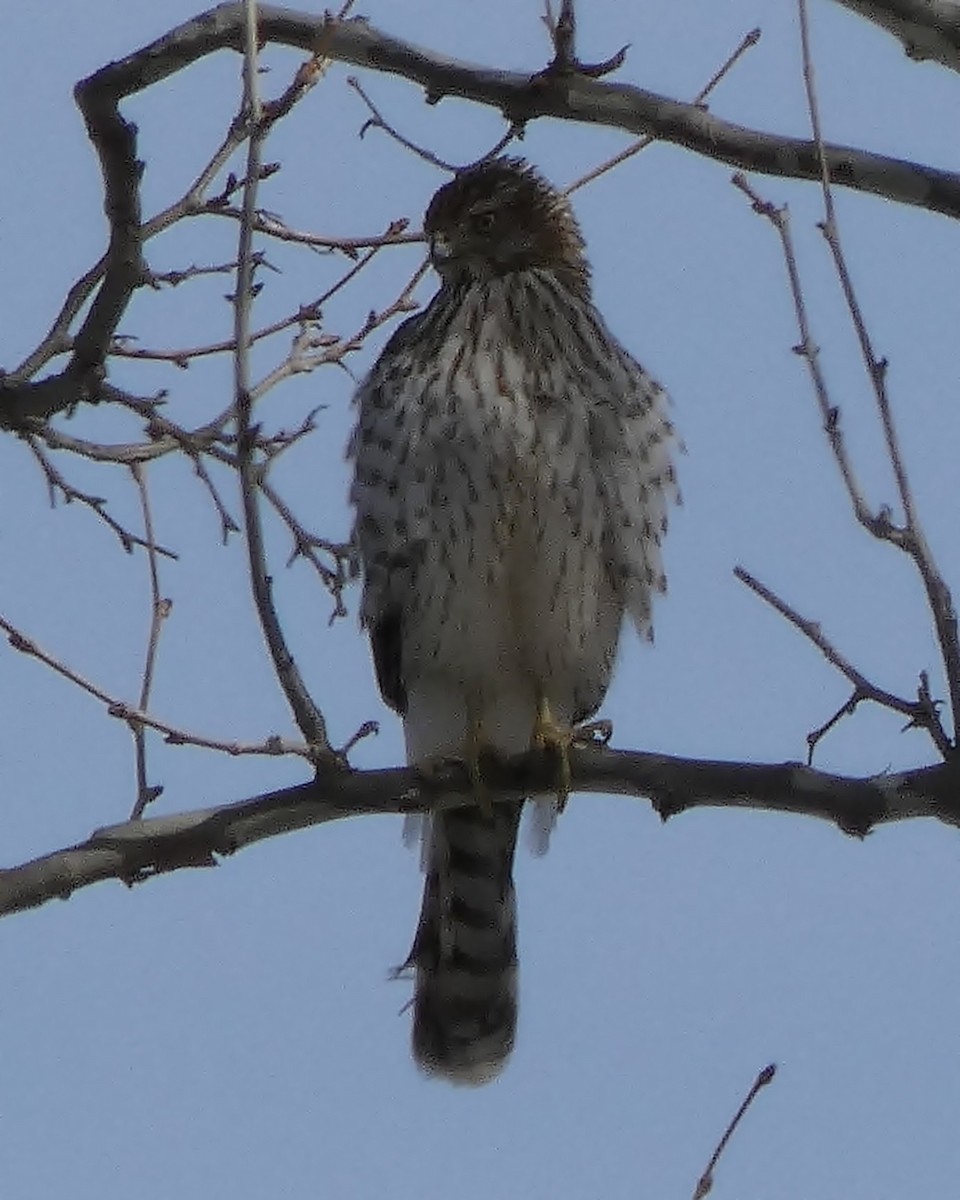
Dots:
(137, 850)
(581, 99)
(522, 97)
(928, 29)
(567, 90)
(567, 94)
(305, 711)
(911, 538)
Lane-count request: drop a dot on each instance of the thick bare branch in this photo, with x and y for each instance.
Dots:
(137, 850)
(928, 29)
(523, 97)
(568, 94)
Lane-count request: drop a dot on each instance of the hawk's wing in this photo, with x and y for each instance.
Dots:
(379, 449)
(632, 443)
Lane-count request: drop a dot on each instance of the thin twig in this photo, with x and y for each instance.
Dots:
(879, 524)
(377, 120)
(913, 540)
(174, 735)
(159, 611)
(922, 715)
(97, 504)
(300, 360)
(306, 545)
(57, 340)
(748, 40)
(175, 278)
(306, 713)
(705, 1182)
(270, 225)
(815, 736)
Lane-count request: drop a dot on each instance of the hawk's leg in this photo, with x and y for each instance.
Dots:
(437, 765)
(550, 735)
(474, 748)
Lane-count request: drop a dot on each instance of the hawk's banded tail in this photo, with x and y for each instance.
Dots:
(465, 949)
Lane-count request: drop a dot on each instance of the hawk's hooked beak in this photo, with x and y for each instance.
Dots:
(441, 250)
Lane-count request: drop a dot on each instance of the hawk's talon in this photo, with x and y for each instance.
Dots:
(593, 733)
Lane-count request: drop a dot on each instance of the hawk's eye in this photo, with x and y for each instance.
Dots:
(483, 222)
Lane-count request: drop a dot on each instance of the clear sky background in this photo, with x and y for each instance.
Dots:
(233, 1032)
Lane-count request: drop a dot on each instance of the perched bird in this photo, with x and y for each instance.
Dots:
(512, 473)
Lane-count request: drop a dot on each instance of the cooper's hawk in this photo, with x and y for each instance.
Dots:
(512, 476)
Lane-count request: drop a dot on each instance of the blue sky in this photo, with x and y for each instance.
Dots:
(233, 1031)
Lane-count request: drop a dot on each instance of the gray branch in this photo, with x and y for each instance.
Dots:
(138, 850)
(524, 97)
(571, 95)
(928, 29)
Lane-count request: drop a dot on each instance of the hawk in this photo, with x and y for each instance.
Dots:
(512, 474)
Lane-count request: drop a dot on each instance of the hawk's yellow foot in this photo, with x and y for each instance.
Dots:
(550, 735)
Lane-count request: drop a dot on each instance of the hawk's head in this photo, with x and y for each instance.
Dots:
(502, 216)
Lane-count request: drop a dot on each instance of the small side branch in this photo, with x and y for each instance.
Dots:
(174, 735)
(563, 34)
(921, 713)
(58, 484)
(878, 524)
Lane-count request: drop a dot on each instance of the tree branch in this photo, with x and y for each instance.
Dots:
(569, 94)
(249, 468)
(524, 97)
(911, 538)
(928, 29)
(920, 713)
(160, 607)
(137, 850)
